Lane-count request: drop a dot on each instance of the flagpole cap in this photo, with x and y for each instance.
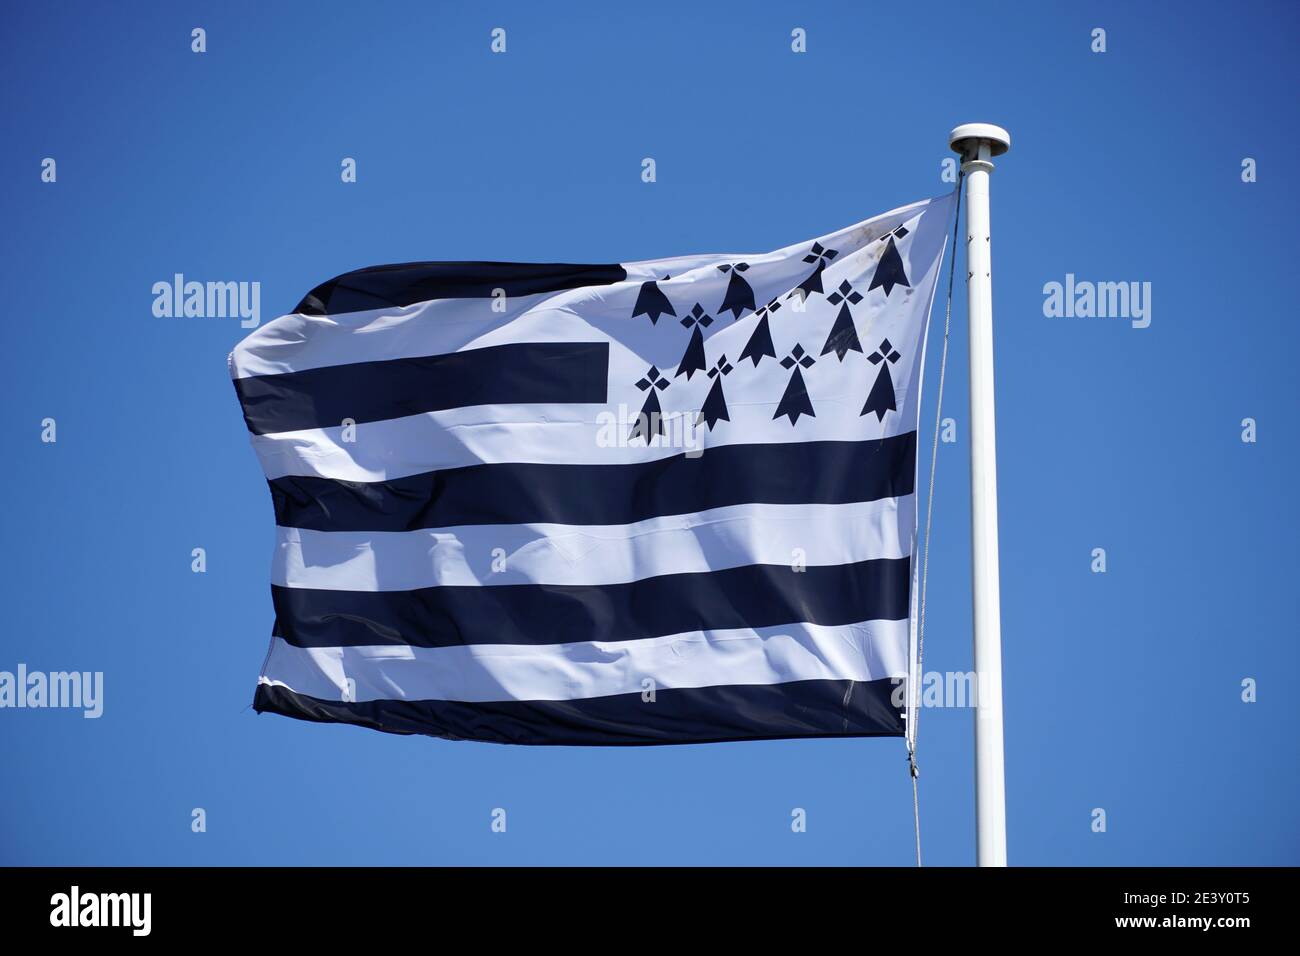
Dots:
(965, 139)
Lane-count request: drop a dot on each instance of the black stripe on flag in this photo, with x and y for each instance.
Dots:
(514, 374)
(406, 283)
(812, 708)
(821, 472)
(754, 596)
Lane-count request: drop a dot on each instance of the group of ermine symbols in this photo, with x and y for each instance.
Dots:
(739, 298)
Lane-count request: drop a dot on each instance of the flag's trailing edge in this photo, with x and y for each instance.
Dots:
(659, 502)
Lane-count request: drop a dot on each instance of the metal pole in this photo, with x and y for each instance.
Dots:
(978, 143)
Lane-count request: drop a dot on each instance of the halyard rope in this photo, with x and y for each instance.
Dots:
(914, 692)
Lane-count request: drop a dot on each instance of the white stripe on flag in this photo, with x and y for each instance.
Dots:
(492, 672)
(816, 535)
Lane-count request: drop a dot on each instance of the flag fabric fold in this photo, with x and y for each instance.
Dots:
(601, 504)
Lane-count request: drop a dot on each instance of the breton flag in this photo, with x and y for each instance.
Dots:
(644, 503)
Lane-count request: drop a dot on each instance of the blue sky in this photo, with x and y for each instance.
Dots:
(1123, 689)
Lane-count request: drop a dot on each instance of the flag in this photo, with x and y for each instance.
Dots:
(656, 502)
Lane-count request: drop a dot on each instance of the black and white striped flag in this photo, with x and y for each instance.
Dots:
(659, 502)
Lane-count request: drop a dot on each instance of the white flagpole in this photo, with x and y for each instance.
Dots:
(978, 143)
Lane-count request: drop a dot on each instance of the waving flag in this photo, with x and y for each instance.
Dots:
(600, 504)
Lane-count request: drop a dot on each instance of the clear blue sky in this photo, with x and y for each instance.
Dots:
(1122, 689)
